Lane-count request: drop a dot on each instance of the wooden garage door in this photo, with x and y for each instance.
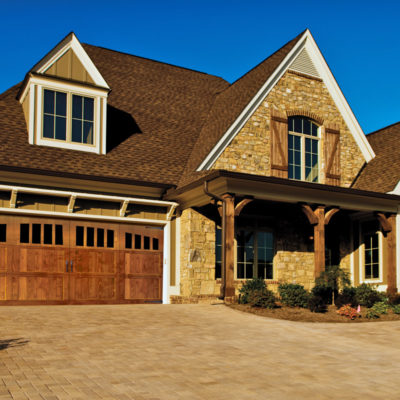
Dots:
(44, 261)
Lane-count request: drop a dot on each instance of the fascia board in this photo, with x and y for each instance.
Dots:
(329, 80)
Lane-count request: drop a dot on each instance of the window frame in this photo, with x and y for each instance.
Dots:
(303, 137)
(69, 118)
(361, 233)
(36, 109)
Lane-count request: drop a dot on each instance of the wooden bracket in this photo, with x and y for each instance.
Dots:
(13, 198)
(239, 207)
(330, 214)
(124, 206)
(71, 204)
(307, 210)
(383, 220)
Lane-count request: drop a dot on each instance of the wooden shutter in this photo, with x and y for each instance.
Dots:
(332, 156)
(279, 145)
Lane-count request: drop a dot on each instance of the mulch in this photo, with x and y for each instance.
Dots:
(305, 315)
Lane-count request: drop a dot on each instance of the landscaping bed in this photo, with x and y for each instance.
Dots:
(305, 315)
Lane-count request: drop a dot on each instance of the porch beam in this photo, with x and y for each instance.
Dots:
(228, 289)
(309, 213)
(239, 207)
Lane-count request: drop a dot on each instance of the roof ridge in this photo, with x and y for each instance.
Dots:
(155, 61)
(384, 128)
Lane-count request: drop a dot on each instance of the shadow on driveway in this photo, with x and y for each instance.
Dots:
(6, 343)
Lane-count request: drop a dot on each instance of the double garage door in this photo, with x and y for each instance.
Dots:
(49, 261)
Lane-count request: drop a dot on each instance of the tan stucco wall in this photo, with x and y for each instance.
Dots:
(249, 151)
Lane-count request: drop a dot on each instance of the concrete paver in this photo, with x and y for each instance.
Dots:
(149, 352)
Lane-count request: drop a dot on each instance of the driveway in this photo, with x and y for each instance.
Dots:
(190, 352)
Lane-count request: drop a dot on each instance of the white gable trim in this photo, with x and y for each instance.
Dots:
(306, 41)
(71, 42)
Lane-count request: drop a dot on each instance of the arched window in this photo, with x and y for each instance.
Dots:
(303, 147)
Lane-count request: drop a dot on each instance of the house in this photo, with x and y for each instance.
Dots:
(126, 180)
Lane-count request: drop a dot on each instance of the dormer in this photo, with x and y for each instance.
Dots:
(64, 98)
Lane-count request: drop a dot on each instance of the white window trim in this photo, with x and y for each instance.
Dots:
(362, 257)
(303, 136)
(37, 86)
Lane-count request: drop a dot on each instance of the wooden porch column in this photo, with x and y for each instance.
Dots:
(318, 218)
(319, 241)
(227, 288)
(388, 225)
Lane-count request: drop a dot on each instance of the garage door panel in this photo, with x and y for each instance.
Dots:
(94, 287)
(145, 288)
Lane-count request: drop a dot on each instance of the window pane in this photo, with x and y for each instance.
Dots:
(307, 126)
(218, 271)
(36, 231)
(79, 236)
(297, 173)
(61, 104)
(297, 158)
(3, 232)
(76, 131)
(269, 272)
(61, 129)
(314, 146)
(88, 132)
(110, 238)
(24, 233)
(48, 101)
(240, 271)
(146, 243)
(308, 145)
(59, 234)
(297, 125)
(314, 130)
(100, 237)
(88, 109)
(375, 271)
(76, 107)
(138, 242)
(155, 244)
(128, 240)
(249, 271)
(90, 236)
(48, 234)
(48, 126)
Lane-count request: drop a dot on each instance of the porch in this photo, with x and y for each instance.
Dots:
(288, 231)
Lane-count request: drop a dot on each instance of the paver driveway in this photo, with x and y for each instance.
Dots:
(190, 352)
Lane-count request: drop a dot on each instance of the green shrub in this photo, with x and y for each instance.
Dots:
(396, 308)
(262, 298)
(322, 291)
(333, 278)
(379, 308)
(293, 295)
(393, 298)
(317, 304)
(250, 286)
(367, 296)
(346, 296)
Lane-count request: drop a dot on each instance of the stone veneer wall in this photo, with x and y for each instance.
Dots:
(197, 258)
(249, 151)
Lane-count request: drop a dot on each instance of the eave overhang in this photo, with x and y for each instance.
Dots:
(88, 183)
(281, 190)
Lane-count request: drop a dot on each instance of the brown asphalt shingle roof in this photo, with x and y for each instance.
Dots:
(155, 113)
(383, 172)
(230, 103)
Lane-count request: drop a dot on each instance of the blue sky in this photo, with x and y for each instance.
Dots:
(358, 38)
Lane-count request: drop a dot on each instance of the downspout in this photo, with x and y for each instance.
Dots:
(218, 198)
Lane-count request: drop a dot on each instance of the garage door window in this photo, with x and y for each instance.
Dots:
(41, 234)
(3, 232)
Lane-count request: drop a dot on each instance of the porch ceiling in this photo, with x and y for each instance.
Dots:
(281, 190)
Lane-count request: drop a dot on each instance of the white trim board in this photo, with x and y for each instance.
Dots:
(307, 42)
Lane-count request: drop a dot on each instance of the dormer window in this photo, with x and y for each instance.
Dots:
(64, 98)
